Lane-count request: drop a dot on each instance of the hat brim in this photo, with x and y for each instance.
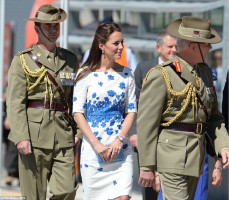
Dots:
(63, 16)
(173, 27)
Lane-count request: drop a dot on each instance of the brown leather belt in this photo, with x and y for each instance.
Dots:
(198, 128)
(56, 106)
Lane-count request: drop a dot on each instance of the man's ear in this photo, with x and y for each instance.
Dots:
(158, 47)
(36, 28)
(193, 45)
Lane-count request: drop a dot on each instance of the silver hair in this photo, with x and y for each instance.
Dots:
(161, 37)
(181, 43)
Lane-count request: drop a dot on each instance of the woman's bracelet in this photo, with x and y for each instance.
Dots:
(219, 168)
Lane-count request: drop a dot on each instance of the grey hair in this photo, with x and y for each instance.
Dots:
(181, 43)
(161, 36)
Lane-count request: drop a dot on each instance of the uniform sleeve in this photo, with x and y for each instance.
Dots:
(80, 95)
(131, 97)
(16, 102)
(216, 129)
(152, 98)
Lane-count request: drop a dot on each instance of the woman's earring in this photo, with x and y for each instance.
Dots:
(102, 51)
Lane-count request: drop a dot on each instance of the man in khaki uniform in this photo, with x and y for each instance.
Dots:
(177, 107)
(39, 97)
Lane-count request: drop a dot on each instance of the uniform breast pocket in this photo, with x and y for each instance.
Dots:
(171, 150)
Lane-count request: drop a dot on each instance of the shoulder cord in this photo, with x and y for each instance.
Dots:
(198, 97)
(189, 90)
(62, 95)
(41, 73)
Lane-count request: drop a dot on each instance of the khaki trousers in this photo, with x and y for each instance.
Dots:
(55, 166)
(178, 187)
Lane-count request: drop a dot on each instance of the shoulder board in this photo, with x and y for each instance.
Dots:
(167, 63)
(24, 51)
(66, 50)
(144, 80)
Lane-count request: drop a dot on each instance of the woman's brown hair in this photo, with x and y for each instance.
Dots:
(102, 35)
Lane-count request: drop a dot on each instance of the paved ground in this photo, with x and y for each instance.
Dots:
(10, 192)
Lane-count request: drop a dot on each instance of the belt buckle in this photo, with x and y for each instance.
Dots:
(199, 128)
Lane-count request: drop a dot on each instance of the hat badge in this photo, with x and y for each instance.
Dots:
(196, 33)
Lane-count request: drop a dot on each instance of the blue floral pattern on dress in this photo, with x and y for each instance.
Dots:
(100, 169)
(111, 93)
(109, 131)
(131, 106)
(122, 85)
(111, 77)
(94, 95)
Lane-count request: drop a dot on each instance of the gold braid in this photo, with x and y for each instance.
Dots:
(189, 91)
(40, 73)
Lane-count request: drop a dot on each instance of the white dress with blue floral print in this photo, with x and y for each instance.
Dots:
(104, 97)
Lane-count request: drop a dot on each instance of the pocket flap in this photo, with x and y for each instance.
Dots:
(35, 115)
(172, 137)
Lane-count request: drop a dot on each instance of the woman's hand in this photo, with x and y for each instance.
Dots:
(102, 150)
(114, 149)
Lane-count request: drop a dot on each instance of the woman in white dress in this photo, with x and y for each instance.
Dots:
(104, 92)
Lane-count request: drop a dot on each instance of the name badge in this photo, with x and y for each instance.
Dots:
(67, 78)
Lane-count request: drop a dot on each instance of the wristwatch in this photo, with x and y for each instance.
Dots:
(121, 139)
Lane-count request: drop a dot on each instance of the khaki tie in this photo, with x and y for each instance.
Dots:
(51, 59)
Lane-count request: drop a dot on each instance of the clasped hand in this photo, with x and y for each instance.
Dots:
(110, 152)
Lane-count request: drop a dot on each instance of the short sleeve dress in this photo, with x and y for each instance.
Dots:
(105, 97)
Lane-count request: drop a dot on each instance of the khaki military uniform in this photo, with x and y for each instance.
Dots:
(171, 151)
(48, 130)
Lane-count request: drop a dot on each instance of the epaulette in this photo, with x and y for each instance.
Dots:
(24, 51)
(66, 50)
(167, 63)
(144, 80)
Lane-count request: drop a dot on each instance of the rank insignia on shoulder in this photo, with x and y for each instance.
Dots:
(67, 78)
(178, 67)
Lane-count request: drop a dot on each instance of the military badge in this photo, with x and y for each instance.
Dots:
(67, 79)
(178, 67)
(210, 92)
(196, 33)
